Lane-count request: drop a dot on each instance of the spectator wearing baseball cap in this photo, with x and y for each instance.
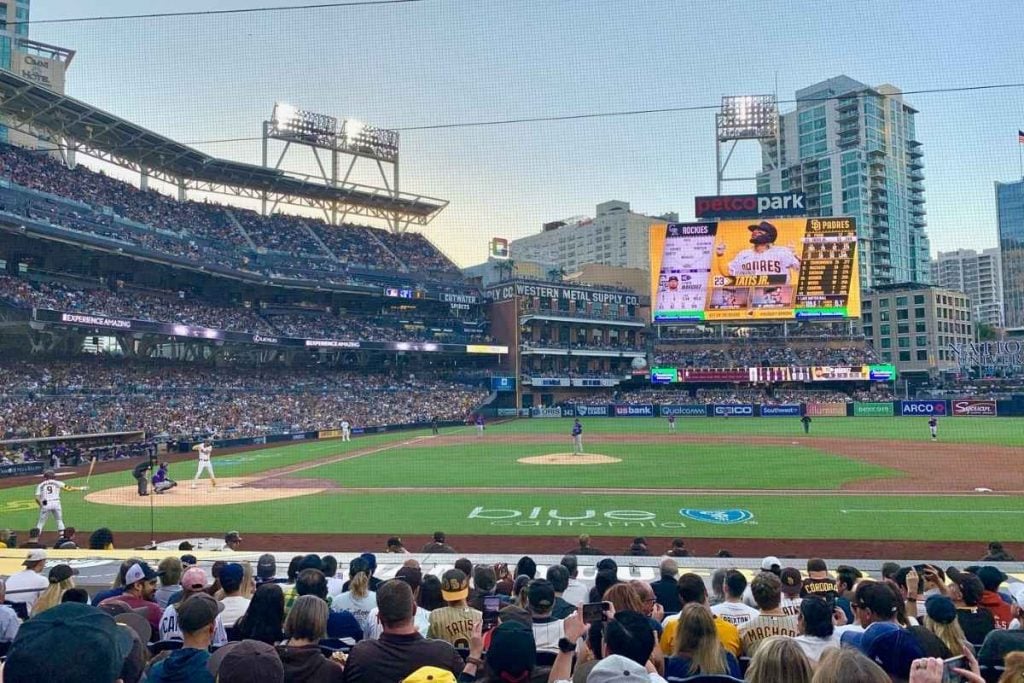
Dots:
(792, 584)
(547, 630)
(991, 579)
(246, 661)
(691, 588)
(266, 569)
(61, 578)
(414, 577)
(26, 586)
(511, 655)
(394, 545)
(429, 674)
(69, 643)
(966, 591)
(454, 622)
(401, 649)
(940, 620)
(170, 570)
(235, 604)
(439, 544)
(140, 591)
(771, 620)
(193, 582)
(197, 617)
(678, 549)
(358, 600)
(876, 605)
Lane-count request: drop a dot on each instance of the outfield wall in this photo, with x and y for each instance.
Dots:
(966, 407)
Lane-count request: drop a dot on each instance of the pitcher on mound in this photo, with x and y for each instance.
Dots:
(577, 437)
(205, 449)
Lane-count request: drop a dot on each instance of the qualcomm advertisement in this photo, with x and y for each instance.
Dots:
(684, 411)
(785, 410)
(929, 408)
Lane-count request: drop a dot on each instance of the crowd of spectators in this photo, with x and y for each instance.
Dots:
(176, 308)
(58, 399)
(489, 622)
(753, 353)
(208, 233)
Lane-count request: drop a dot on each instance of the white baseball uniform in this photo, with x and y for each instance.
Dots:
(205, 450)
(772, 261)
(48, 494)
(346, 431)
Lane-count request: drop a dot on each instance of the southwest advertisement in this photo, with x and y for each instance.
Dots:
(778, 269)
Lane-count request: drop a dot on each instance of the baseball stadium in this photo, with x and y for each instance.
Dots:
(238, 345)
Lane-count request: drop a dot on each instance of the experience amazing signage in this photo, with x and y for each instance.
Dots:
(553, 291)
(987, 354)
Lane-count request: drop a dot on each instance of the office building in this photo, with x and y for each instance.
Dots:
(1010, 221)
(615, 237)
(978, 275)
(852, 149)
(914, 326)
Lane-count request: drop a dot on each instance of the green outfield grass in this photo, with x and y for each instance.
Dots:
(448, 467)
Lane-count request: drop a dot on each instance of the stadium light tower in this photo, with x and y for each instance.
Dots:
(743, 117)
(352, 141)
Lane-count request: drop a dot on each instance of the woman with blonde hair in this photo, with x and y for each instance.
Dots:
(847, 665)
(779, 660)
(940, 619)
(697, 648)
(62, 577)
(624, 597)
(358, 599)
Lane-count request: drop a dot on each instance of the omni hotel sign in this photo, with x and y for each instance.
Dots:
(988, 354)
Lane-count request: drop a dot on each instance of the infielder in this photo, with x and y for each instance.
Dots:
(205, 451)
(48, 499)
(933, 425)
(764, 258)
(577, 437)
(479, 425)
(671, 423)
(346, 431)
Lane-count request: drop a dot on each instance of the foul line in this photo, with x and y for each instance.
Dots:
(932, 512)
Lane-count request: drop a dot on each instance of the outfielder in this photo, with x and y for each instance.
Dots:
(48, 499)
(205, 451)
(577, 437)
(764, 258)
(479, 425)
(671, 423)
(346, 431)
(933, 425)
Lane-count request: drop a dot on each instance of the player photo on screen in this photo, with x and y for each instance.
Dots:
(773, 297)
(762, 256)
(729, 298)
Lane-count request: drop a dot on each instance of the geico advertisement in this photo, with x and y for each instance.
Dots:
(785, 268)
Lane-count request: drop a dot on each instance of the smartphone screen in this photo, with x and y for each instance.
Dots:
(492, 605)
(950, 676)
(593, 612)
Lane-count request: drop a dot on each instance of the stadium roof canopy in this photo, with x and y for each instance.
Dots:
(74, 124)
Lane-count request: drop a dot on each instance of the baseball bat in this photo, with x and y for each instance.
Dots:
(89, 476)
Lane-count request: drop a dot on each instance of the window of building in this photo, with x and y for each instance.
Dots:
(919, 298)
(867, 305)
(904, 355)
(866, 317)
(903, 328)
(904, 342)
(901, 301)
(921, 340)
(919, 312)
(883, 315)
(920, 326)
(884, 303)
(884, 330)
(887, 356)
(922, 355)
(902, 314)
(886, 343)
(868, 331)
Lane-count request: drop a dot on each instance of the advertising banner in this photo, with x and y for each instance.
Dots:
(882, 373)
(783, 269)
(923, 408)
(869, 409)
(631, 410)
(563, 292)
(739, 410)
(550, 381)
(507, 412)
(826, 409)
(964, 407)
(684, 410)
(784, 410)
(503, 383)
(771, 205)
(846, 373)
(593, 411)
(590, 382)
(777, 374)
(664, 375)
(546, 412)
(329, 434)
(21, 468)
(712, 375)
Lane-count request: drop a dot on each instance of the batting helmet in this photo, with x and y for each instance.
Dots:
(763, 233)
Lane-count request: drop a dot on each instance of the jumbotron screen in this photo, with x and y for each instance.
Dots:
(778, 269)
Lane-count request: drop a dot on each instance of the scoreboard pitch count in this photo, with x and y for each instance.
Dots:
(776, 269)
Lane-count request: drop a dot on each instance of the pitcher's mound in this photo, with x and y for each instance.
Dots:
(227, 492)
(569, 459)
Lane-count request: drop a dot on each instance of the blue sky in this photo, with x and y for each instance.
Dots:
(441, 61)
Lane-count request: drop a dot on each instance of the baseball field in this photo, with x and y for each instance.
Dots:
(852, 484)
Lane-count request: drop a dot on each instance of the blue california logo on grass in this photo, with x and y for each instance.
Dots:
(734, 516)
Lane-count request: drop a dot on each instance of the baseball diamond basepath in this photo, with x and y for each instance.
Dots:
(861, 480)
